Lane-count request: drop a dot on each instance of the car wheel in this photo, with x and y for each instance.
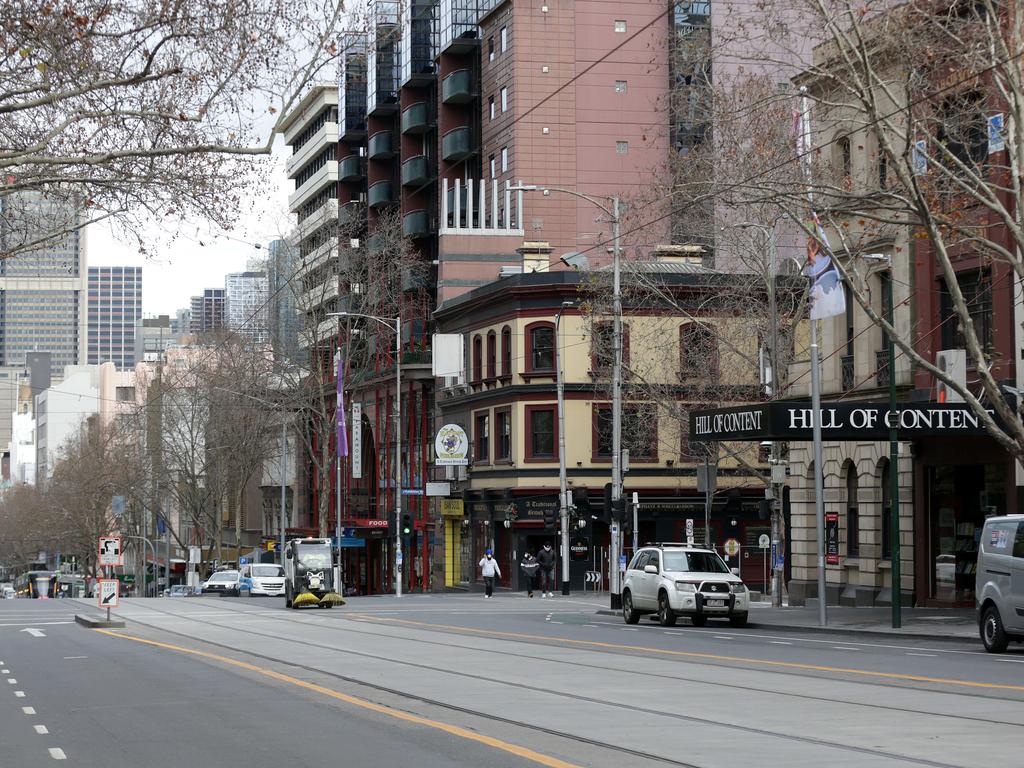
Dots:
(665, 615)
(738, 620)
(629, 614)
(699, 620)
(993, 635)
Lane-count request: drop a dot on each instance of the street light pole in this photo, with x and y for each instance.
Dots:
(398, 433)
(563, 490)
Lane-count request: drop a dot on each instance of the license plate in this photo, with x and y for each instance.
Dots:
(716, 603)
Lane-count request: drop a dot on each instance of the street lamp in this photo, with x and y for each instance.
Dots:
(610, 207)
(387, 323)
(563, 492)
(284, 458)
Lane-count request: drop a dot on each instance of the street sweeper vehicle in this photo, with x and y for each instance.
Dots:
(309, 574)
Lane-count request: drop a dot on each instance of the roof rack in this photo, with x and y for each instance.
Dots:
(677, 544)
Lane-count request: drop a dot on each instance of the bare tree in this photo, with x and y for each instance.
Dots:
(146, 111)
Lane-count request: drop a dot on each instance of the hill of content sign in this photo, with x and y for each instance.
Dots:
(839, 421)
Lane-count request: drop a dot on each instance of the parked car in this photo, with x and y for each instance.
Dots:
(8, 593)
(180, 590)
(675, 580)
(262, 579)
(222, 583)
(999, 582)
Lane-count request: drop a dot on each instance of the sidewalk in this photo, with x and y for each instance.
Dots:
(930, 623)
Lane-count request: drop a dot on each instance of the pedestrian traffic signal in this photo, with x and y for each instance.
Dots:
(406, 524)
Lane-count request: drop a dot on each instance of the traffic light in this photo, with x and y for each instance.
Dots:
(619, 509)
(406, 523)
(550, 517)
(606, 508)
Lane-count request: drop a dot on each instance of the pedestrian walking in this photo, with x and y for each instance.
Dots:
(530, 567)
(546, 561)
(489, 568)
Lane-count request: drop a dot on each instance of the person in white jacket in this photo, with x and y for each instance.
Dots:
(489, 568)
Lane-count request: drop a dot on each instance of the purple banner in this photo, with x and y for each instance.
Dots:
(340, 410)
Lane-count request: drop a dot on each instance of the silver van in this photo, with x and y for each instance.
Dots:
(999, 587)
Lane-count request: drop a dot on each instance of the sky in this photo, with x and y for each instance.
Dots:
(185, 267)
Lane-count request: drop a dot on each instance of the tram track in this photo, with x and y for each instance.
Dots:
(690, 719)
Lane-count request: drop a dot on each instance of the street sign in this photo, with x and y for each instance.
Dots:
(764, 541)
(398, 558)
(832, 538)
(110, 551)
(195, 555)
(117, 506)
(243, 561)
(732, 547)
(109, 593)
(412, 491)
(689, 531)
(622, 562)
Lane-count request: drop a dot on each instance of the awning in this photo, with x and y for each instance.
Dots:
(839, 421)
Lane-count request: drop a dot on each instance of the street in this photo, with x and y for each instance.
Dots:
(452, 680)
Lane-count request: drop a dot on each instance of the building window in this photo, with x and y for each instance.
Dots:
(504, 99)
(620, 25)
(845, 162)
(477, 359)
(639, 432)
(490, 48)
(503, 444)
(852, 514)
(542, 439)
(540, 352)
(125, 394)
(886, 480)
(492, 353)
(490, 106)
(483, 439)
(620, 86)
(976, 287)
(493, 174)
(506, 351)
(504, 39)
(602, 347)
(621, 147)
(698, 352)
(504, 159)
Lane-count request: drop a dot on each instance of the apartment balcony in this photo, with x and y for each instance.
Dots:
(352, 168)
(381, 146)
(480, 207)
(319, 295)
(848, 376)
(328, 174)
(416, 171)
(457, 23)
(375, 243)
(354, 127)
(380, 194)
(416, 224)
(350, 213)
(328, 134)
(326, 212)
(457, 144)
(416, 119)
(882, 367)
(458, 88)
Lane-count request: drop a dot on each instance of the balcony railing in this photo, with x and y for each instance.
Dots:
(847, 374)
(882, 367)
(349, 213)
(415, 171)
(381, 146)
(457, 88)
(416, 224)
(416, 118)
(471, 207)
(457, 144)
(352, 168)
(380, 194)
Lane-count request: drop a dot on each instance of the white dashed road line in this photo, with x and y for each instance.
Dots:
(723, 637)
(779, 642)
(29, 710)
(12, 681)
(75, 657)
(5, 671)
(57, 753)
(41, 729)
(629, 629)
(19, 694)
(844, 648)
(929, 655)
(1012, 661)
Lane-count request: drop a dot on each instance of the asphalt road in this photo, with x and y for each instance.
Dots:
(459, 680)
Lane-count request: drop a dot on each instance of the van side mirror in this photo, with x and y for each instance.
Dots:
(735, 571)
(650, 569)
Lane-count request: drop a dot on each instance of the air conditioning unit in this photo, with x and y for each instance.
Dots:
(509, 271)
(952, 362)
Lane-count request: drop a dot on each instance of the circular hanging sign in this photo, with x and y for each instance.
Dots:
(732, 547)
(451, 446)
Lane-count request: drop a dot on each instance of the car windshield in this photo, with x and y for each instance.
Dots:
(697, 562)
(314, 556)
(264, 571)
(224, 576)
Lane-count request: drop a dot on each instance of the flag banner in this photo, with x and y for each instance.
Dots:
(340, 409)
(828, 298)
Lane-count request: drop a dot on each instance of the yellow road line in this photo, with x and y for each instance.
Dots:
(454, 730)
(699, 655)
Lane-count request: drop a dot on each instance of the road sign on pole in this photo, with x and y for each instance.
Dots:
(110, 553)
(109, 593)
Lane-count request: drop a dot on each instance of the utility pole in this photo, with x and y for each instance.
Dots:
(615, 576)
(563, 489)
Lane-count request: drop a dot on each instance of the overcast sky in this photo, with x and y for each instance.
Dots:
(184, 268)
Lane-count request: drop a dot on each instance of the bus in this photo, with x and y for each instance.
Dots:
(40, 585)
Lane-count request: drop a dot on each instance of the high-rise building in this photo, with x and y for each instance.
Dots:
(42, 289)
(181, 323)
(207, 311)
(115, 306)
(284, 320)
(245, 306)
(153, 337)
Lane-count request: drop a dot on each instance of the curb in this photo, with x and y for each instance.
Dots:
(839, 630)
(94, 623)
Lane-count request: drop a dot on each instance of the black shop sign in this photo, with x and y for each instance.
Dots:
(579, 549)
(839, 421)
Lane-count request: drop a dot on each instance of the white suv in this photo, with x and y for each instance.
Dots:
(675, 580)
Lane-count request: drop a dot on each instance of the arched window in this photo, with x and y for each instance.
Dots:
(845, 161)
(506, 352)
(885, 478)
(492, 355)
(852, 513)
(540, 347)
(478, 360)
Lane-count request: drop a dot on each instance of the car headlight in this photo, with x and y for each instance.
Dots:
(738, 588)
(685, 586)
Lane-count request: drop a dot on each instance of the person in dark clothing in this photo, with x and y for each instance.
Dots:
(530, 568)
(546, 561)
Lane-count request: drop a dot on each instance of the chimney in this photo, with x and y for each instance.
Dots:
(680, 254)
(536, 256)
